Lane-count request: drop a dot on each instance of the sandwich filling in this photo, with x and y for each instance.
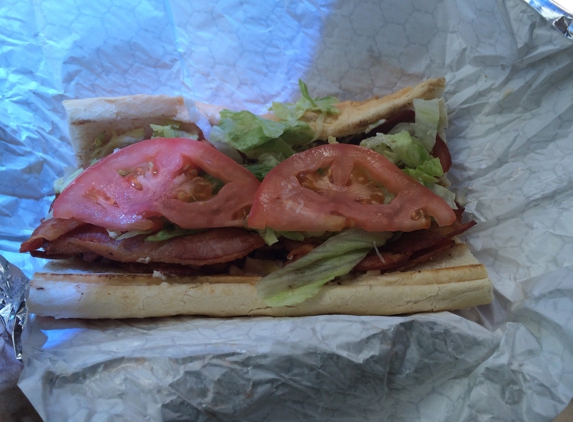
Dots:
(292, 196)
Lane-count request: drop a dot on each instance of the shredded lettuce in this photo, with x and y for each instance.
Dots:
(443, 123)
(407, 152)
(128, 234)
(427, 173)
(277, 148)
(408, 148)
(269, 159)
(256, 136)
(408, 145)
(427, 121)
(294, 111)
(302, 279)
(446, 194)
(171, 130)
(246, 131)
(63, 182)
(399, 148)
(259, 170)
(170, 233)
(116, 141)
(379, 144)
(271, 236)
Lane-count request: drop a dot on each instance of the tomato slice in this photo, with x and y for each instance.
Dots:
(331, 187)
(135, 186)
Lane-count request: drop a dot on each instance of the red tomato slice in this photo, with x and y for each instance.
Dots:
(131, 188)
(331, 187)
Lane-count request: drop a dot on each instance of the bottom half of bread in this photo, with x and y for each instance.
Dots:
(69, 289)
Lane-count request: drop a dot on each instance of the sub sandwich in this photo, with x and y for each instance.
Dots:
(318, 207)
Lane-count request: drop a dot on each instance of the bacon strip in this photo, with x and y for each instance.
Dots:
(410, 249)
(442, 152)
(209, 247)
(414, 247)
(440, 149)
(405, 116)
(68, 238)
(49, 229)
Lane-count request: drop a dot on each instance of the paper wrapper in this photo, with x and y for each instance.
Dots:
(509, 94)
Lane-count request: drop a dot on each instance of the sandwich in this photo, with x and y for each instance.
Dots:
(318, 207)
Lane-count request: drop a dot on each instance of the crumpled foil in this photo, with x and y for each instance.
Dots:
(341, 368)
(509, 94)
(13, 311)
(557, 12)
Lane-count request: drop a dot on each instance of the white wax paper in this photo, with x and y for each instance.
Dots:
(509, 92)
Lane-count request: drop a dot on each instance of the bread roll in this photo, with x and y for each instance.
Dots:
(71, 289)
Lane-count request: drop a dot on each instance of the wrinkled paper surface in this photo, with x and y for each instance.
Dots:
(509, 94)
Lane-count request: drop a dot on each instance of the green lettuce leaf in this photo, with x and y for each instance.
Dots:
(170, 233)
(246, 131)
(63, 182)
(446, 194)
(407, 152)
(256, 136)
(379, 144)
(304, 278)
(171, 130)
(271, 236)
(427, 121)
(428, 172)
(117, 141)
(294, 111)
(129, 234)
(399, 148)
(323, 105)
(259, 170)
(276, 148)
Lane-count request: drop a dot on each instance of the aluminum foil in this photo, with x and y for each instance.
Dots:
(13, 311)
(341, 368)
(509, 94)
(557, 12)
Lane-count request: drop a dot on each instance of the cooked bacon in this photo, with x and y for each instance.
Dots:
(427, 254)
(410, 249)
(49, 229)
(422, 239)
(208, 251)
(386, 261)
(405, 116)
(442, 152)
(413, 248)
(300, 251)
(209, 247)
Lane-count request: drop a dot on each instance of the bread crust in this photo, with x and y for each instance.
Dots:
(454, 280)
(357, 116)
(91, 118)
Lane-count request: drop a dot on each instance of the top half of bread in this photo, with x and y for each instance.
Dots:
(91, 118)
(355, 116)
(101, 117)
